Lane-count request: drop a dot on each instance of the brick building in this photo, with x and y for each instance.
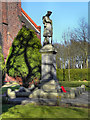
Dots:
(13, 17)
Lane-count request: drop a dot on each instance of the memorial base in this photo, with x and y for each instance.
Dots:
(48, 87)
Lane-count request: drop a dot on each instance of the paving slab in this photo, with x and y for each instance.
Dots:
(82, 100)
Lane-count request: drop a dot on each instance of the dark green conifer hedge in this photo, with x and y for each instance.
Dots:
(24, 59)
(2, 66)
(75, 74)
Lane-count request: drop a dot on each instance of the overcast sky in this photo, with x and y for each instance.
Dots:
(64, 15)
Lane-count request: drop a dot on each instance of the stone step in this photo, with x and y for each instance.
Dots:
(35, 101)
(82, 100)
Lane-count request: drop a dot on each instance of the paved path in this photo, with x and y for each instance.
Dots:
(82, 100)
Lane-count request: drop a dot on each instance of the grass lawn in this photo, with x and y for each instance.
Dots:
(35, 111)
(5, 107)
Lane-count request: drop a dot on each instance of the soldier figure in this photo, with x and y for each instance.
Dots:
(48, 30)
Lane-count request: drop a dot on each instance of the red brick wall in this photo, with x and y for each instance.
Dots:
(0, 23)
(4, 28)
(4, 12)
(11, 24)
(39, 35)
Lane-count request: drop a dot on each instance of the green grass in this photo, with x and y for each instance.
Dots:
(5, 107)
(35, 111)
(74, 83)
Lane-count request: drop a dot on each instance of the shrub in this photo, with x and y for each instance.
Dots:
(2, 66)
(74, 83)
(24, 59)
(75, 74)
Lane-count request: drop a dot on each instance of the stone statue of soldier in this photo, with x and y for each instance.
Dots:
(48, 29)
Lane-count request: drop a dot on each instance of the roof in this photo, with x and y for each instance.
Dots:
(37, 28)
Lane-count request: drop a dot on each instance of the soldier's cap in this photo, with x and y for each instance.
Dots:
(49, 12)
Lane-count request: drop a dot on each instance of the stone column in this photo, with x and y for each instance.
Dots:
(48, 66)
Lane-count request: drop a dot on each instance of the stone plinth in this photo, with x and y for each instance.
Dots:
(48, 65)
(48, 87)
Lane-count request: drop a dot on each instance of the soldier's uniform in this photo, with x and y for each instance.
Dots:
(47, 27)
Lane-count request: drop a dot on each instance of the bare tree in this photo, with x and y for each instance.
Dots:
(66, 37)
(80, 34)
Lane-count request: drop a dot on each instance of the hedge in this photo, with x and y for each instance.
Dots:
(2, 66)
(75, 74)
(74, 83)
(24, 59)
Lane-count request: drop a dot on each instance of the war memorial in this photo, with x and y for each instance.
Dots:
(44, 69)
(48, 91)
